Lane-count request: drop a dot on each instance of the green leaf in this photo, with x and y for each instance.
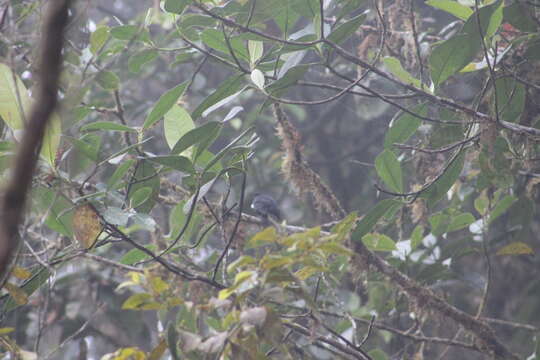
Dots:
(176, 6)
(417, 236)
(452, 7)
(510, 99)
(57, 209)
(39, 277)
(389, 169)
(145, 176)
(88, 145)
(177, 122)
(344, 227)
(440, 188)
(164, 104)
(208, 140)
(10, 112)
(367, 223)
(378, 242)
(343, 31)
(119, 173)
(394, 65)
(98, 38)
(289, 78)
(195, 136)
(139, 59)
(403, 126)
(227, 88)
(461, 221)
(481, 203)
(214, 38)
(180, 163)
(135, 255)
(502, 206)
(106, 125)
(255, 51)
(108, 80)
(450, 56)
(124, 32)
(140, 196)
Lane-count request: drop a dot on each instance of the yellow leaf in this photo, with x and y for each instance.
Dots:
(268, 235)
(141, 301)
(6, 330)
(158, 285)
(516, 248)
(20, 273)
(158, 351)
(16, 293)
(86, 226)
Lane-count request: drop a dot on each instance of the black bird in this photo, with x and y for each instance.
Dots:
(264, 205)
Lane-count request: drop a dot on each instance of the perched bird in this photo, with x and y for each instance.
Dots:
(264, 205)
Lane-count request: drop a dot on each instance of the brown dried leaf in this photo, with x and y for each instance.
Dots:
(86, 226)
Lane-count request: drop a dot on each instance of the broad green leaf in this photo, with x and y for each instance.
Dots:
(389, 170)
(98, 38)
(106, 125)
(124, 32)
(344, 227)
(10, 112)
(176, 6)
(227, 88)
(343, 31)
(180, 163)
(39, 277)
(394, 65)
(378, 242)
(136, 61)
(135, 255)
(140, 196)
(208, 140)
(177, 122)
(289, 78)
(440, 188)
(214, 38)
(502, 206)
(403, 126)
(452, 7)
(367, 223)
(255, 51)
(164, 104)
(417, 236)
(510, 99)
(490, 19)
(450, 56)
(108, 80)
(481, 203)
(119, 173)
(55, 208)
(195, 136)
(145, 176)
(88, 145)
(461, 221)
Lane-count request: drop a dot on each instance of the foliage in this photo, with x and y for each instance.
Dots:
(164, 132)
